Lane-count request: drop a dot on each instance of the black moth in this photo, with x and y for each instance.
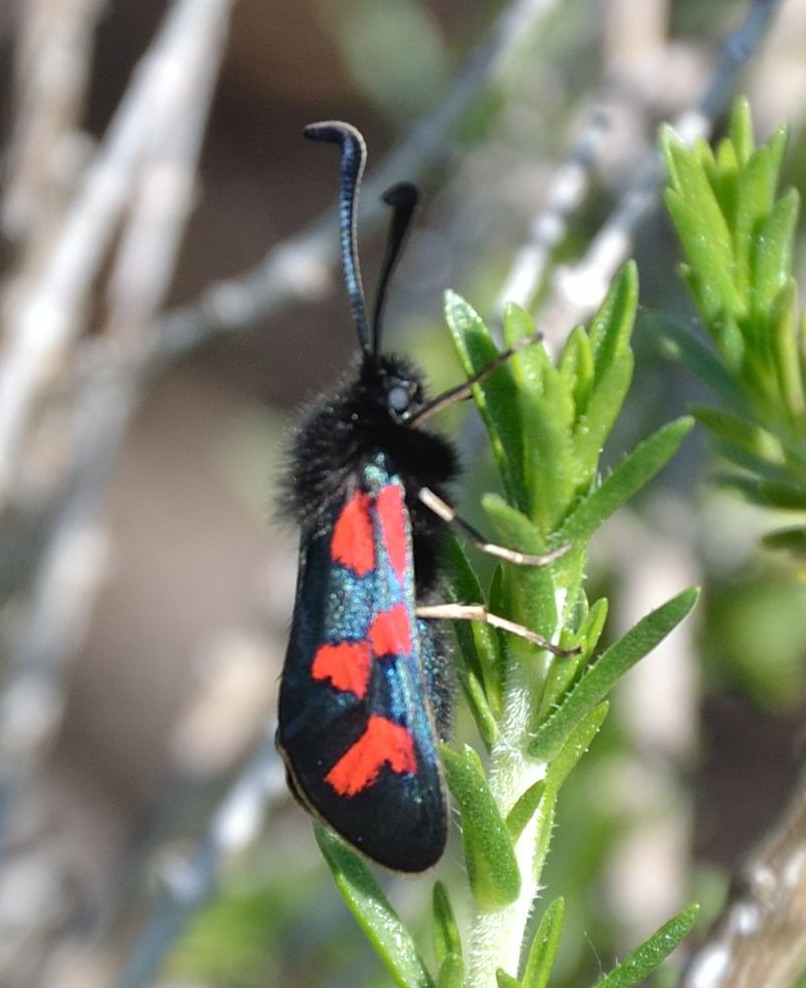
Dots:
(364, 697)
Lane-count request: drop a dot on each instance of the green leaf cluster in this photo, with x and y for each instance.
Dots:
(537, 709)
(398, 950)
(737, 234)
(548, 421)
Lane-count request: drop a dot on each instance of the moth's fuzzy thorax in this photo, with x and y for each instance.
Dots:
(367, 413)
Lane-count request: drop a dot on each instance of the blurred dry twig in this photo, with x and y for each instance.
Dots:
(45, 315)
(761, 937)
(189, 885)
(123, 205)
(139, 187)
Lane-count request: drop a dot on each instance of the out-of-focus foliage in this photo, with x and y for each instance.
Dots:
(738, 238)
(395, 52)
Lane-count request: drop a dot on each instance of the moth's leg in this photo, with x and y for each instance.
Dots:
(444, 511)
(477, 612)
(465, 389)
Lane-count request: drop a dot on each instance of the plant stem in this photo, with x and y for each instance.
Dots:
(497, 937)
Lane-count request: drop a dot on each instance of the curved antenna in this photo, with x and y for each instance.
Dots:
(403, 200)
(353, 158)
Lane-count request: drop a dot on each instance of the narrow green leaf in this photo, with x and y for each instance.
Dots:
(773, 471)
(724, 179)
(771, 251)
(692, 188)
(611, 327)
(547, 415)
(477, 641)
(486, 724)
(524, 809)
(715, 289)
(645, 959)
(518, 531)
(517, 324)
(755, 201)
(783, 330)
(701, 359)
(505, 980)
(741, 130)
(592, 627)
(779, 140)
(489, 855)
(732, 428)
(497, 398)
(599, 679)
(577, 743)
(546, 812)
(373, 911)
(727, 334)
(604, 407)
(771, 155)
(792, 539)
(783, 496)
(670, 142)
(532, 362)
(447, 941)
(544, 946)
(451, 972)
(561, 673)
(745, 434)
(610, 331)
(637, 468)
(577, 368)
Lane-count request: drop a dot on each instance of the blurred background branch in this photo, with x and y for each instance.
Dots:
(137, 188)
(761, 936)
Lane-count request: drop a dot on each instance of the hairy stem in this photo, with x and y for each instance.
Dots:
(497, 937)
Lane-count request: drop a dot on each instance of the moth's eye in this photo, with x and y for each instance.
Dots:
(398, 399)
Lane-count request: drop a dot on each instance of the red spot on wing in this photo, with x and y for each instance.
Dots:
(353, 543)
(390, 632)
(392, 512)
(383, 743)
(346, 665)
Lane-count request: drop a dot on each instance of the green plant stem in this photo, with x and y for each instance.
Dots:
(497, 937)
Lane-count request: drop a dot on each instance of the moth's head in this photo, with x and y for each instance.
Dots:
(391, 387)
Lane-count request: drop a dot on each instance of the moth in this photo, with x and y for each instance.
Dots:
(365, 695)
